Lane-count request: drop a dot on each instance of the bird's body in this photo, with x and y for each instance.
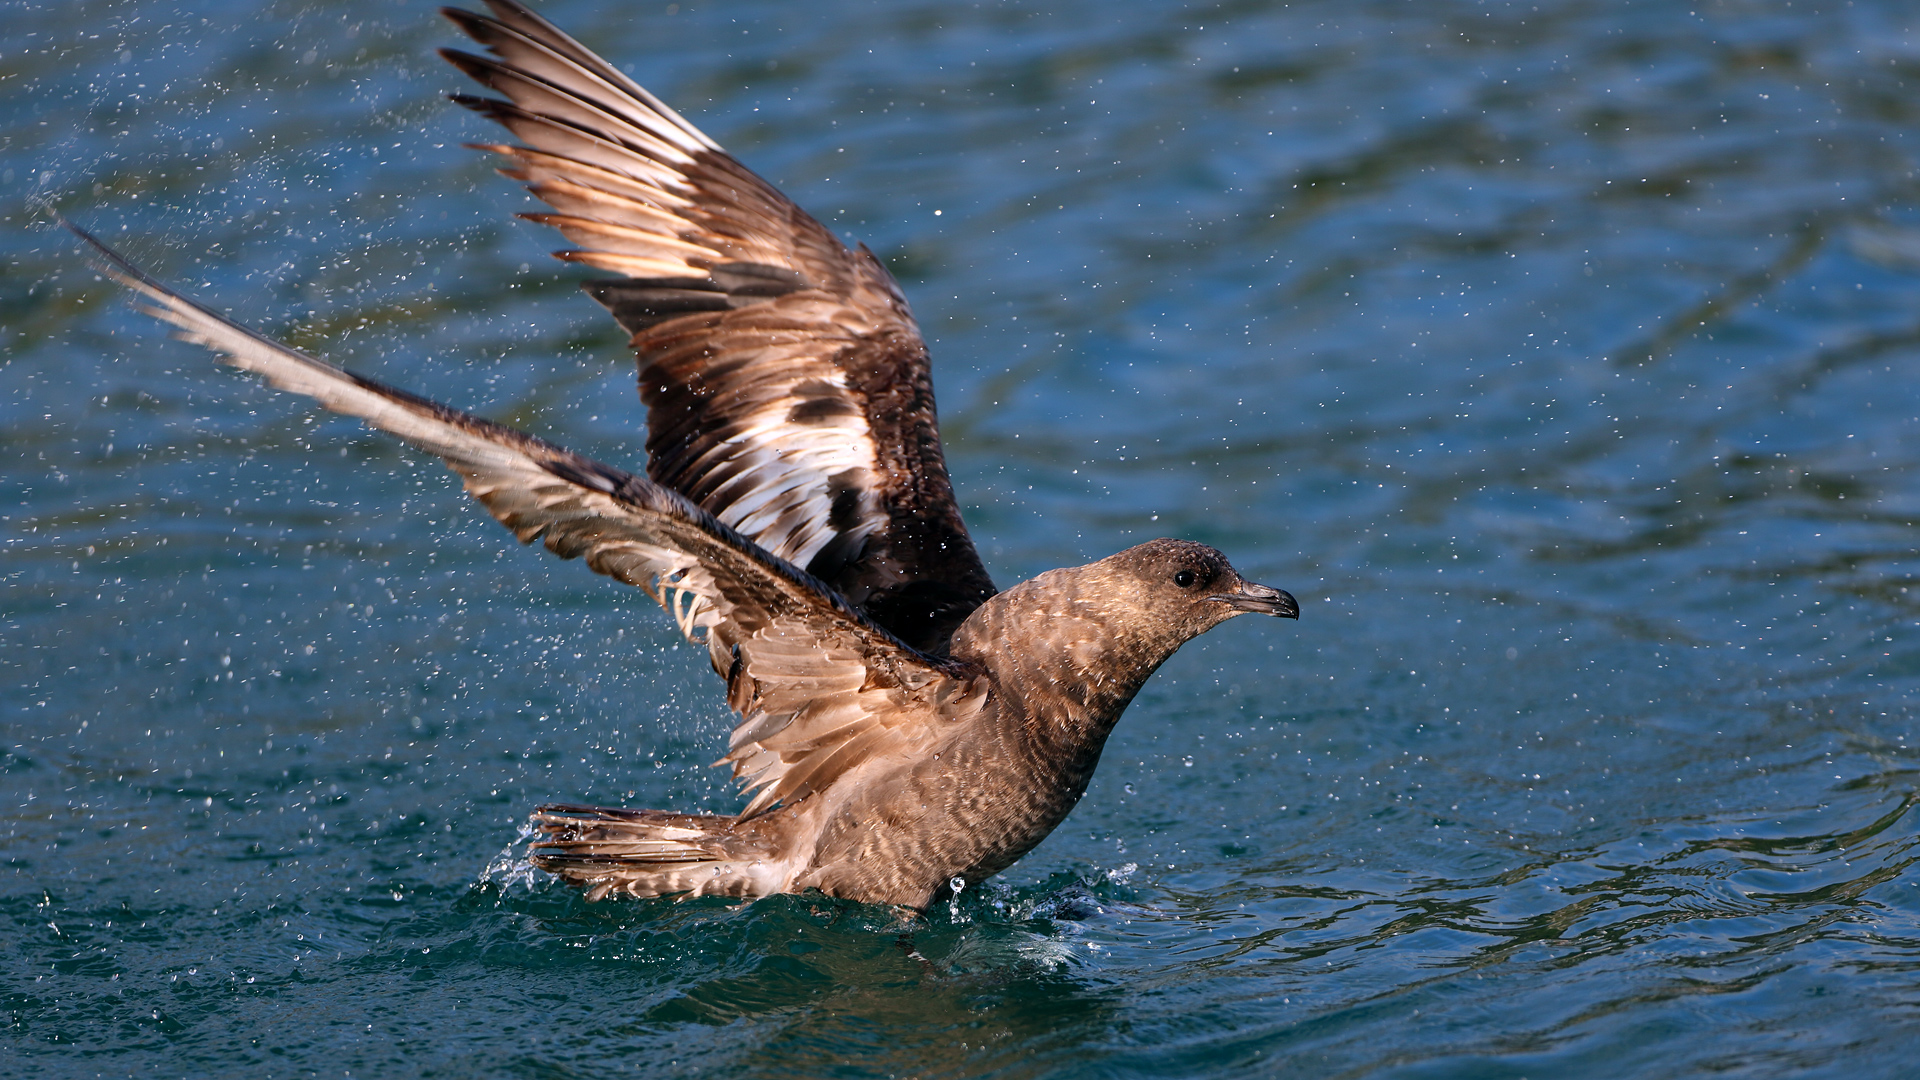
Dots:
(902, 723)
(1046, 668)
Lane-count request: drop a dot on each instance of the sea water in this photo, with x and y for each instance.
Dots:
(1560, 357)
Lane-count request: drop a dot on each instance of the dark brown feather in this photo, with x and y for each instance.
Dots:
(786, 384)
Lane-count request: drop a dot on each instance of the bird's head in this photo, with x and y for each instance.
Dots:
(1093, 634)
(1185, 588)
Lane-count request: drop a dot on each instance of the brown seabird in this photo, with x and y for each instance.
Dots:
(903, 726)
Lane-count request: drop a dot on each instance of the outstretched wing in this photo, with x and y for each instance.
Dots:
(819, 687)
(786, 384)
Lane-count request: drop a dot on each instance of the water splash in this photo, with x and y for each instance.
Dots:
(511, 867)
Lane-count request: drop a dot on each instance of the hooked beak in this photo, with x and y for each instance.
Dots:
(1260, 598)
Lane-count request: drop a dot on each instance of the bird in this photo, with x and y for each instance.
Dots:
(905, 728)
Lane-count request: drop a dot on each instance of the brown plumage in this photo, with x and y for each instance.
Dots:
(786, 383)
(902, 724)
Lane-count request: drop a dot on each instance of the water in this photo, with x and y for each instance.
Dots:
(1560, 358)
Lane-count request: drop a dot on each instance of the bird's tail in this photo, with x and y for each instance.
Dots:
(608, 850)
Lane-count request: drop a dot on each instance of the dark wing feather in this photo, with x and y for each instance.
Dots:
(786, 383)
(819, 687)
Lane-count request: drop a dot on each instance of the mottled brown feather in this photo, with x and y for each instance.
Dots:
(786, 383)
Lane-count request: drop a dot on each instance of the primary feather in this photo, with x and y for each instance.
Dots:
(787, 385)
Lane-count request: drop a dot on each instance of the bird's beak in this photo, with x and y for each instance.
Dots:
(1261, 598)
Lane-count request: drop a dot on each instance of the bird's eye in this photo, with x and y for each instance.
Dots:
(1184, 579)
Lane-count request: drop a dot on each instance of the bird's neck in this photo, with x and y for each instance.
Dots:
(1066, 662)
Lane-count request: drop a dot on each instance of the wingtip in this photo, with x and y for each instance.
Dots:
(485, 106)
(510, 8)
(484, 29)
(67, 223)
(470, 64)
(110, 262)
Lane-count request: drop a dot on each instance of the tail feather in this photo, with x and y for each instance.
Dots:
(645, 853)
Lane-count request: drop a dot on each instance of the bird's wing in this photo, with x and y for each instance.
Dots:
(786, 384)
(819, 687)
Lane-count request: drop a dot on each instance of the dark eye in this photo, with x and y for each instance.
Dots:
(1184, 579)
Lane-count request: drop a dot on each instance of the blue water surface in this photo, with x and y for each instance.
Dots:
(1561, 357)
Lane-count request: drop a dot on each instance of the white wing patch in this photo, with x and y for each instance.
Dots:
(794, 467)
